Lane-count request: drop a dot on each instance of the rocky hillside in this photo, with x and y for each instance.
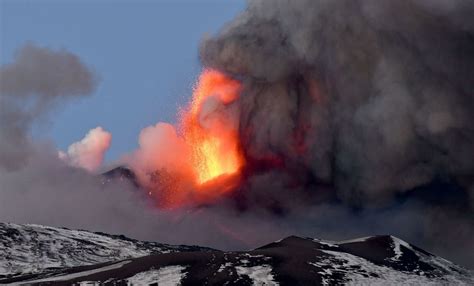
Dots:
(26, 249)
(34, 254)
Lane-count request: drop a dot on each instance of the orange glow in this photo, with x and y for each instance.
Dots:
(208, 128)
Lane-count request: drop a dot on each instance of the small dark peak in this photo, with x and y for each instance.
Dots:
(120, 173)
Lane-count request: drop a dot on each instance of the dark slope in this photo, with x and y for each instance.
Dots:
(291, 261)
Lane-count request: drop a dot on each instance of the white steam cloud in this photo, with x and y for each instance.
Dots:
(89, 152)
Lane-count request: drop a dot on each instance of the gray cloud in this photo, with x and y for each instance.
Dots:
(370, 99)
(394, 81)
(46, 73)
(37, 80)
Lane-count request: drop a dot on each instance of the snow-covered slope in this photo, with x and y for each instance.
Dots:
(34, 248)
(380, 260)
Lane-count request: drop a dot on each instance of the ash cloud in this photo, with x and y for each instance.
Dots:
(36, 186)
(30, 87)
(372, 100)
(381, 90)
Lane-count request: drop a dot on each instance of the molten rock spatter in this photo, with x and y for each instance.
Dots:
(200, 159)
(210, 127)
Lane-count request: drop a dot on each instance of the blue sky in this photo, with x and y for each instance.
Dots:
(145, 52)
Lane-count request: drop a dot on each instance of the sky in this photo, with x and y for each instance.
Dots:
(145, 53)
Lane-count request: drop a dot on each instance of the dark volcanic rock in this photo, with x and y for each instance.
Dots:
(122, 174)
(291, 261)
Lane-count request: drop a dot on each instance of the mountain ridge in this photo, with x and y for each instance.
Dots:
(31, 248)
(290, 261)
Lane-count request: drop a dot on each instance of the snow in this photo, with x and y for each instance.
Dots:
(435, 261)
(224, 266)
(326, 242)
(78, 274)
(397, 243)
(164, 276)
(336, 243)
(254, 256)
(359, 271)
(33, 248)
(260, 275)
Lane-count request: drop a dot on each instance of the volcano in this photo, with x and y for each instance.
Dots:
(59, 256)
(329, 119)
(120, 173)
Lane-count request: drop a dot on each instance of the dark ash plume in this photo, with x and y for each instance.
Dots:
(371, 98)
(374, 95)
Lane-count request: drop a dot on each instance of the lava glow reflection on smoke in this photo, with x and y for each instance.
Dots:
(208, 128)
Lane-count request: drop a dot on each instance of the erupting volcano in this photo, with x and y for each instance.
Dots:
(329, 119)
(201, 158)
(209, 134)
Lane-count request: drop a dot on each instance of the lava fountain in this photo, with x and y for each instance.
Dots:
(209, 128)
(201, 159)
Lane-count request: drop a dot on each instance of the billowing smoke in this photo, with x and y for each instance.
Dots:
(162, 158)
(89, 152)
(30, 87)
(364, 102)
(352, 118)
(36, 186)
(159, 147)
(372, 96)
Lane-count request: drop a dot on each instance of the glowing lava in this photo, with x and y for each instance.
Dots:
(210, 129)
